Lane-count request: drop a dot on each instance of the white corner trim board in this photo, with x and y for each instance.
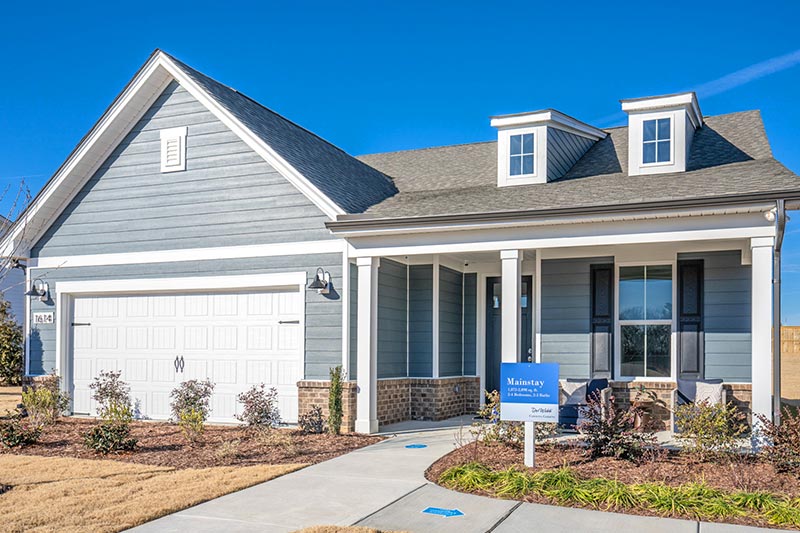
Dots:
(192, 254)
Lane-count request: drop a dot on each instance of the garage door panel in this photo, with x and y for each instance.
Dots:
(195, 338)
(234, 339)
(258, 372)
(106, 338)
(225, 337)
(136, 338)
(135, 370)
(164, 338)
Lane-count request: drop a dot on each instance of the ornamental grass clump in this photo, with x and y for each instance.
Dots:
(191, 406)
(115, 409)
(696, 500)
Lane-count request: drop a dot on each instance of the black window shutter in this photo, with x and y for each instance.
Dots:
(691, 345)
(602, 320)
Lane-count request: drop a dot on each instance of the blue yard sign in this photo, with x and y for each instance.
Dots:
(529, 392)
(443, 512)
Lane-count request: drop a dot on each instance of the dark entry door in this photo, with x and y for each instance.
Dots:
(493, 323)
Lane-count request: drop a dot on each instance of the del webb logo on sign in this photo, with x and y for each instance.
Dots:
(529, 392)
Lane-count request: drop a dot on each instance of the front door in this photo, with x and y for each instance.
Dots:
(493, 322)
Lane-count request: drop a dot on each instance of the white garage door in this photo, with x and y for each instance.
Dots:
(234, 339)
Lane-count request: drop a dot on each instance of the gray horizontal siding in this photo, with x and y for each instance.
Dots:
(420, 321)
(566, 329)
(323, 335)
(470, 318)
(726, 315)
(451, 321)
(353, 374)
(227, 196)
(392, 320)
(563, 151)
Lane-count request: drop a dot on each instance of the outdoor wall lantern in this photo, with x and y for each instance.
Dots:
(321, 282)
(40, 289)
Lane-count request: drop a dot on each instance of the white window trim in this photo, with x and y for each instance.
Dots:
(168, 135)
(521, 155)
(660, 116)
(618, 323)
(504, 177)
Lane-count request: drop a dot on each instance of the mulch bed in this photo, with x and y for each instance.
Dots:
(163, 444)
(673, 468)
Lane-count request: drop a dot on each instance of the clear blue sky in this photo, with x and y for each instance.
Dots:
(378, 76)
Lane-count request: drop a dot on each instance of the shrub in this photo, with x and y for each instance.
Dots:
(190, 407)
(260, 408)
(228, 450)
(312, 421)
(611, 431)
(495, 430)
(44, 401)
(335, 408)
(11, 346)
(782, 441)
(115, 408)
(545, 430)
(110, 436)
(709, 430)
(113, 397)
(16, 432)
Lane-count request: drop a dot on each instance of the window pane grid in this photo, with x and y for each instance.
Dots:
(521, 154)
(645, 332)
(657, 139)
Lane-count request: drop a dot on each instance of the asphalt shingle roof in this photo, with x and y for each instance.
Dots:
(730, 155)
(351, 184)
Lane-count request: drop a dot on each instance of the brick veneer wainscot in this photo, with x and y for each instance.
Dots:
(313, 393)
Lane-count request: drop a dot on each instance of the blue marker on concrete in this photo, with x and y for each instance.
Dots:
(416, 446)
(443, 512)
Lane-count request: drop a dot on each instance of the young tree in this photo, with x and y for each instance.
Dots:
(11, 346)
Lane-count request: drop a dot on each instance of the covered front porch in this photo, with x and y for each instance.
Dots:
(432, 316)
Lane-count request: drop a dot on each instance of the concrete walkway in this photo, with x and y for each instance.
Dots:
(383, 486)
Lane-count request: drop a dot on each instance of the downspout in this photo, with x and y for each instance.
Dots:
(780, 226)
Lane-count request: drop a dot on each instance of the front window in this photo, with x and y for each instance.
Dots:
(645, 320)
(521, 162)
(657, 136)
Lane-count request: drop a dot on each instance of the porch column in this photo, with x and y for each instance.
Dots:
(367, 345)
(761, 326)
(510, 307)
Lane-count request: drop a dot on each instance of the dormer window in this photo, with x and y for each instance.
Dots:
(657, 141)
(522, 161)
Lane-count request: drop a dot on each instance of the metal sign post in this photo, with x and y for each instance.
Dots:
(529, 393)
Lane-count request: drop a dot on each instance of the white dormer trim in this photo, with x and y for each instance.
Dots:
(549, 117)
(685, 117)
(537, 123)
(687, 101)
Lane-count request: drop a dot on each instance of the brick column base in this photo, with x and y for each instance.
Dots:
(314, 393)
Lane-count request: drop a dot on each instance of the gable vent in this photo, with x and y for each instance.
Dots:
(173, 149)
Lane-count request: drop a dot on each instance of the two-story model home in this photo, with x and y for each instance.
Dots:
(194, 233)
